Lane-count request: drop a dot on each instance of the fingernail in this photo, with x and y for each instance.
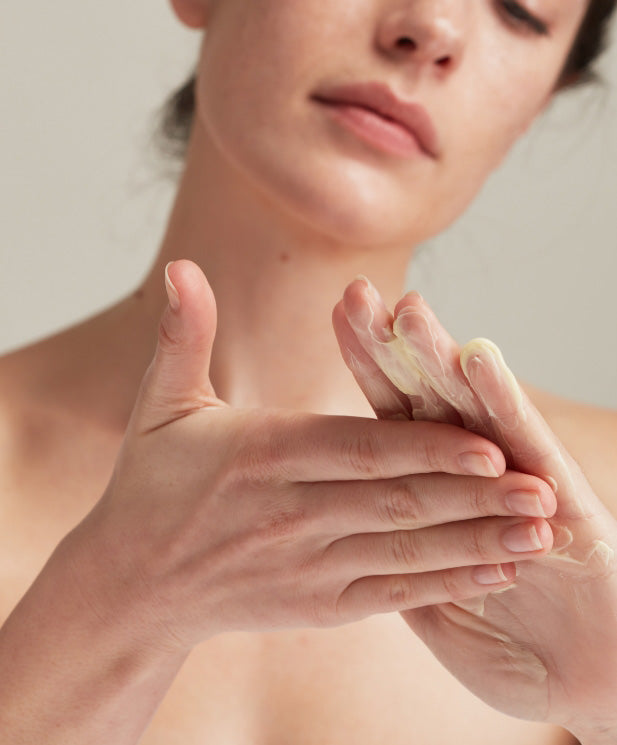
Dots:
(493, 574)
(551, 482)
(370, 287)
(525, 503)
(521, 538)
(417, 294)
(172, 293)
(477, 464)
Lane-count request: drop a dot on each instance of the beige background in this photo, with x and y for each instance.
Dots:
(532, 265)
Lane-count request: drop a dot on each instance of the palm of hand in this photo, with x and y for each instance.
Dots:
(545, 648)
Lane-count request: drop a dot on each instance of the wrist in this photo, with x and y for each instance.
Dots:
(71, 674)
(109, 587)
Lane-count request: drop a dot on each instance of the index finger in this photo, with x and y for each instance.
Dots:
(372, 325)
(438, 355)
(387, 400)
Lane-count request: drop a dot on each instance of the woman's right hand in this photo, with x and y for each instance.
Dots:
(218, 519)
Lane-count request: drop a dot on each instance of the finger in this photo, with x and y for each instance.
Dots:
(488, 540)
(372, 324)
(385, 398)
(178, 378)
(437, 356)
(388, 594)
(412, 502)
(314, 447)
(533, 445)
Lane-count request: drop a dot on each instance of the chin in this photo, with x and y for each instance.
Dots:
(356, 209)
(341, 200)
(345, 223)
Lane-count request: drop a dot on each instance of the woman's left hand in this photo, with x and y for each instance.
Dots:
(545, 649)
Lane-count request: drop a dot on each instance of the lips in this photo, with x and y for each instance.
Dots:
(380, 99)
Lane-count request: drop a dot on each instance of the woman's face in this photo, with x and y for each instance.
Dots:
(480, 69)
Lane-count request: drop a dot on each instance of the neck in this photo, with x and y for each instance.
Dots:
(276, 279)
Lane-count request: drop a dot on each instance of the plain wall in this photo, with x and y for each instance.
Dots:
(532, 265)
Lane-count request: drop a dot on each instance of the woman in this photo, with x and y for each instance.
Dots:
(252, 490)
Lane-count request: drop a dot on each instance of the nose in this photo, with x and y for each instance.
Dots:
(429, 32)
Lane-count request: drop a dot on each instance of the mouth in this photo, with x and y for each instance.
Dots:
(375, 114)
(382, 132)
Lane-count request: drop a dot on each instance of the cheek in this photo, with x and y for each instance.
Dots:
(248, 104)
(498, 109)
(258, 54)
(491, 115)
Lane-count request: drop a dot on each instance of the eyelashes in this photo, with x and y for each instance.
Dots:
(519, 15)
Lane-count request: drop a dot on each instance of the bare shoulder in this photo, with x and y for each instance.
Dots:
(589, 434)
(36, 367)
(64, 400)
(30, 390)
(588, 423)
(59, 437)
(90, 371)
(18, 370)
(30, 380)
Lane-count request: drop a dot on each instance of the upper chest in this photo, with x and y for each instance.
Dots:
(367, 683)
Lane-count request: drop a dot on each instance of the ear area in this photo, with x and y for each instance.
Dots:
(192, 13)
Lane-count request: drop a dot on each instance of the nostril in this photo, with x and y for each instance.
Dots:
(444, 61)
(406, 43)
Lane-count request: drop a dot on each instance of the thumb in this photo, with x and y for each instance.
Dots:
(177, 382)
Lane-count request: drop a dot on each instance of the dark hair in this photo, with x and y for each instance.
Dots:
(174, 119)
(590, 42)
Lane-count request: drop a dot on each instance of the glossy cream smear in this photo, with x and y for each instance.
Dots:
(418, 366)
(435, 395)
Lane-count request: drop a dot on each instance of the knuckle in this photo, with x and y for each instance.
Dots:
(401, 505)
(430, 455)
(281, 524)
(362, 453)
(261, 453)
(479, 499)
(402, 592)
(453, 585)
(175, 343)
(476, 542)
(405, 550)
(168, 342)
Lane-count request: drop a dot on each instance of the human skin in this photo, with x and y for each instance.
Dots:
(547, 649)
(218, 519)
(277, 201)
(281, 213)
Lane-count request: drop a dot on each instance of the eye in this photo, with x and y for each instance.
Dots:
(517, 14)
